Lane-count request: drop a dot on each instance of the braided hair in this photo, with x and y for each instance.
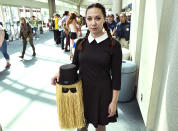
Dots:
(99, 6)
(109, 34)
(71, 17)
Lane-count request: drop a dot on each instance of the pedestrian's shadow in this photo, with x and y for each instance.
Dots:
(29, 62)
(3, 74)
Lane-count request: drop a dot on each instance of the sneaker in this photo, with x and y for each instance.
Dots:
(7, 65)
(21, 56)
(34, 54)
(67, 50)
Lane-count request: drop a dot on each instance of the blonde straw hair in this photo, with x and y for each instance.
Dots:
(70, 106)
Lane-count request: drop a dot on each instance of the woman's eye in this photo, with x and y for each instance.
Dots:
(89, 19)
(98, 18)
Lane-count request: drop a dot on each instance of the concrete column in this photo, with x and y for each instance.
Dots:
(52, 8)
(78, 9)
(116, 6)
(11, 15)
(167, 107)
(3, 19)
(31, 11)
(24, 10)
(157, 92)
(41, 15)
(18, 12)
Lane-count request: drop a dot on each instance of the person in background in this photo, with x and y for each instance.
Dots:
(3, 46)
(72, 25)
(117, 19)
(57, 33)
(129, 18)
(0, 127)
(116, 16)
(52, 21)
(111, 24)
(61, 30)
(80, 23)
(98, 57)
(65, 32)
(34, 23)
(122, 33)
(27, 36)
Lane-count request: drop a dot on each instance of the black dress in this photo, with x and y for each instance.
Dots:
(97, 62)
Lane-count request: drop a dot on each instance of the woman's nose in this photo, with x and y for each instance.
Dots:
(93, 22)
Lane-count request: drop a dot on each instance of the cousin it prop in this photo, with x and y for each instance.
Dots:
(69, 98)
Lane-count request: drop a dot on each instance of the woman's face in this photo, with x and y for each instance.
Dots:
(22, 21)
(95, 20)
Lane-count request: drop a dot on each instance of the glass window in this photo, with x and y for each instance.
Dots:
(15, 15)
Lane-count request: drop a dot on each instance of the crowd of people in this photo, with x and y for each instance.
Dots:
(67, 30)
(68, 27)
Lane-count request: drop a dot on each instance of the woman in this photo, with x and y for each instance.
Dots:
(27, 36)
(72, 25)
(3, 46)
(98, 57)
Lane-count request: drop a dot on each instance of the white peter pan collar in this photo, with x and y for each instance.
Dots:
(98, 39)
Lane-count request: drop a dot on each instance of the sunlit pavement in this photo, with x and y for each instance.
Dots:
(27, 98)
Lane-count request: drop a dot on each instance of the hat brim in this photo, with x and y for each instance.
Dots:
(68, 82)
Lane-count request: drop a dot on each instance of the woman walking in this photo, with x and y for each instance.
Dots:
(27, 36)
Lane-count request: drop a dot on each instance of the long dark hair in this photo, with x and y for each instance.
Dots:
(71, 17)
(99, 6)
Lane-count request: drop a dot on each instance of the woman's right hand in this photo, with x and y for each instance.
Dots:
(55, 78)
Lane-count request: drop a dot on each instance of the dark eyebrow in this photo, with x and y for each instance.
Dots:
(95, 16)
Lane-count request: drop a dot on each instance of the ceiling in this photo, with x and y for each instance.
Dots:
(34, 3)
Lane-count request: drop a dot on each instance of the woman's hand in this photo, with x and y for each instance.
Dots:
(28, 39)
(55, 78)
(112, 109)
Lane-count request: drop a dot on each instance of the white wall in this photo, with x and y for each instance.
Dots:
(154, 38)
(149, 45)
(167, 109)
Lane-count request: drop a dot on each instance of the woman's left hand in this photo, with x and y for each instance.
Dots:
(112, 109)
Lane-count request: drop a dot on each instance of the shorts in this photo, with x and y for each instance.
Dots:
(73, 35)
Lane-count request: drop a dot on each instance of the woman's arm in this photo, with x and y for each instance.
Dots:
(2, 34)
(113, 105)
(115, 96)
(116, 66)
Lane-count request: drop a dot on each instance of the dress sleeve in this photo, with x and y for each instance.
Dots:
(116, 66)
(75, 60)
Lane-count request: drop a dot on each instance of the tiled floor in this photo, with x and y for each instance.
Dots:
(27, 99)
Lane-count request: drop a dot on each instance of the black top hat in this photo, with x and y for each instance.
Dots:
(68, 74)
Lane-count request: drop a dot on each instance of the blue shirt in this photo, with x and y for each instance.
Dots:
(112, 25)
(64, 19)
(123, 30)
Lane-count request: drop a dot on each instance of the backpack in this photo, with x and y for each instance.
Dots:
(6, 37)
